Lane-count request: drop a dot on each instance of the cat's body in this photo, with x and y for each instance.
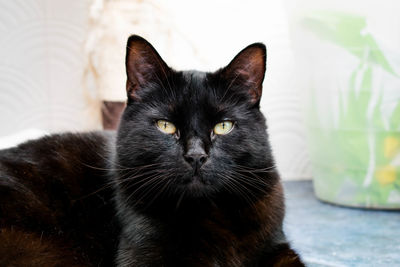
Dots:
(52, 209)
(189, 180)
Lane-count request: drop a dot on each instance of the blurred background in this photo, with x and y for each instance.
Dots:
(331, 95)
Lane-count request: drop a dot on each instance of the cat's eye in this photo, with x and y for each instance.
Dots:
(166, 126)
(223, 127)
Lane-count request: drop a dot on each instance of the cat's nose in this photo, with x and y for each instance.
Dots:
(195, 155)
(196, 160)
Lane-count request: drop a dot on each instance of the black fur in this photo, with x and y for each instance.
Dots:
(137, 200)
(54, 193)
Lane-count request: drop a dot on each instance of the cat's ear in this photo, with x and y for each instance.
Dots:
(246, 71)
(144, 66)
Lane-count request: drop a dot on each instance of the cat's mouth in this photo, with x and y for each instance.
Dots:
(196, 183)
(195, 179)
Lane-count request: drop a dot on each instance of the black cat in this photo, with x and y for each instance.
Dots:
(188, 180)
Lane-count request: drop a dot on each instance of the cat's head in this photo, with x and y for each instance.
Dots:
(191, 134)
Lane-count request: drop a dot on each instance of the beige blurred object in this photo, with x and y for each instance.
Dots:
(111, 23)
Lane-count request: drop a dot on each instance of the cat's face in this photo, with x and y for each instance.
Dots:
(192, 133)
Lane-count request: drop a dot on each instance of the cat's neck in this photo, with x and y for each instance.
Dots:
(170, 207)
(191, 210)
(196, 223)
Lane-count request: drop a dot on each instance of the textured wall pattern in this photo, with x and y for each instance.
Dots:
(41, 65)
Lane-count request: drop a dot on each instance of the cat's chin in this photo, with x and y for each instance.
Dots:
(197, 187)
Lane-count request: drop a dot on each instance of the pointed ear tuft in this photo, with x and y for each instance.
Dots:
(247, 71)
(143, 66)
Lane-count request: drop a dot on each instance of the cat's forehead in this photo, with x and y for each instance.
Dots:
(194, 92)
(194, 85)
(188, 97)
(198, 95)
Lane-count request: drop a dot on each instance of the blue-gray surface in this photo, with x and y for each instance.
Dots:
(328, 235)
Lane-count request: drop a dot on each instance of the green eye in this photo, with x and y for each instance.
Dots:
(223, 127)
(166, 126)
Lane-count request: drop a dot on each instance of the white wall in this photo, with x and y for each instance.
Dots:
(41, 66)
(42, 62)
